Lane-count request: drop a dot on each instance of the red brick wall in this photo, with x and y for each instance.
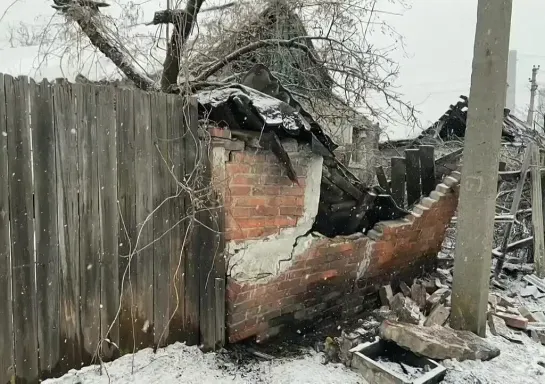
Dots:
(331, 276)
(321, 282)
(260, 200)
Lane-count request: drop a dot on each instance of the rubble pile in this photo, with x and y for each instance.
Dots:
(416, 318)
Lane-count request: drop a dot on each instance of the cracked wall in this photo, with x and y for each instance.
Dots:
(279, 274)
(267, 230)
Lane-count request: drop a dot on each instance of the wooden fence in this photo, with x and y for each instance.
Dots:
(411, 177)
(107, 241)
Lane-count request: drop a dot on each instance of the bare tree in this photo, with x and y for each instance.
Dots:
(336, 38)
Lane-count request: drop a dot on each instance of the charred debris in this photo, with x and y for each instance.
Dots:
(264, 113)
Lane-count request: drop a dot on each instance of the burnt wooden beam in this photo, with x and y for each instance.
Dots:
(343, 184)
(382, 180)
(398, 171)
(427, 168)
(412, 162)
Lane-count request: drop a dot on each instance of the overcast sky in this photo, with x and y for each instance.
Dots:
(436, 69)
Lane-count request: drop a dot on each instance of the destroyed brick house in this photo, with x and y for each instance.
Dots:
(306, 239)
(308, 233)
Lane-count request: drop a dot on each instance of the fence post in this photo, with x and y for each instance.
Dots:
(414, 192)
(427, 168)
(398, 171)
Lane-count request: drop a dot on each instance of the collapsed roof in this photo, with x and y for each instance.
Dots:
(346, 204)
(451, 126)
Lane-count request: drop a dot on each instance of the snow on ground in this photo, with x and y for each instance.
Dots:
(178, 363)
(516, 364)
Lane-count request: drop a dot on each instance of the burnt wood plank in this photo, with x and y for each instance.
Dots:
(176, 110)
(6, 310)
(45, 213)
(68, 224)
(109, 227)
(398, 172)
(161, 222)
(143, 259)
(192, 260)
(427, 168)
(25, 319)
(412, 163)
(220, 312)
(382, 180)
(89, 202)
(127, 221)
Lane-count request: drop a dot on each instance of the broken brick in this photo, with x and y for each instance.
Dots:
(418, 294)
(514, 321)
(527, 314)
(438, 316)
(498, 327)
(386, 295)
(405, 289)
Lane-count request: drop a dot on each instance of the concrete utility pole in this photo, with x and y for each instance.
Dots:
(476, 208)
(533, 89)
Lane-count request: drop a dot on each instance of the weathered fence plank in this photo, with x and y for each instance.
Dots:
(192, 161)
(109, 227)
(126, 186)
(69, 231)
(144, 208)
(398, 171)
(412, 164)
(161, 222)
(111, 168)
(206, 249)
(25, 318)
(45, 212)
(6, 313)
(177, 128)
(208, 234)
(89, 220)
(427, 168)
(220, 311)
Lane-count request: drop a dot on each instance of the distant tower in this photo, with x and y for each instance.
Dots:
(511, 81)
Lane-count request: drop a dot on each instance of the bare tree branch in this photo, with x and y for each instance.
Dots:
(84, 17)
(218, 65)
(183, 21)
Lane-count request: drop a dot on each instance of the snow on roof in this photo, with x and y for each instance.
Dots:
(272, 111)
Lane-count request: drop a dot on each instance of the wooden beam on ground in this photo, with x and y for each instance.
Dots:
(514, 246)
(537, 212)
(514, 209)
(414, 191)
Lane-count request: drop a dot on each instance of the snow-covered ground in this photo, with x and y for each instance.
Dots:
(178, 363)
(517, 363)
